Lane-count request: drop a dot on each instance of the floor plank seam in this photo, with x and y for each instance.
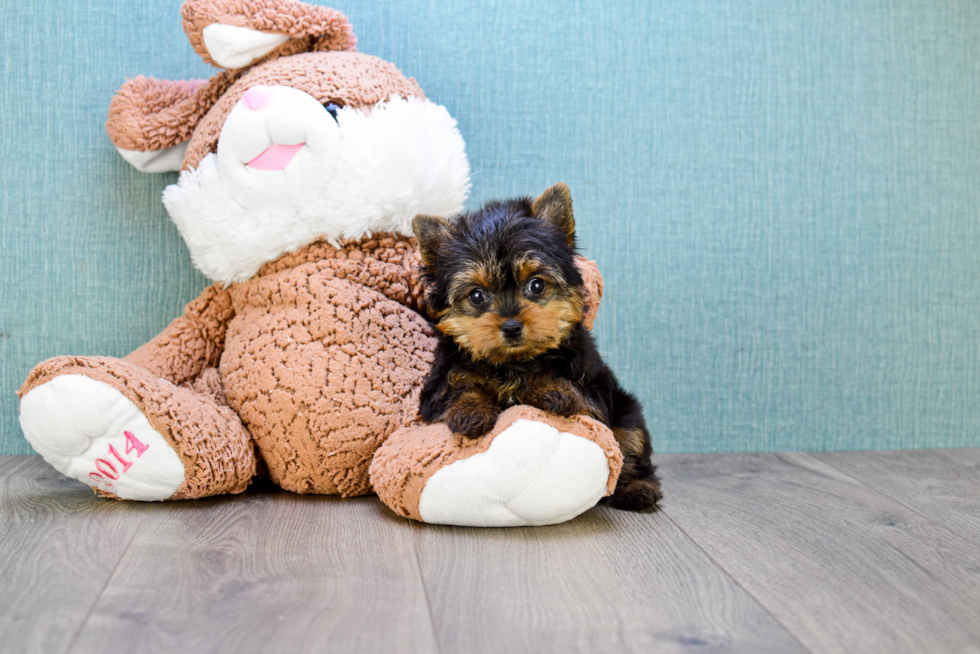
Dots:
(736, 581)
(425, 591)
(95, 603)
(889, 498)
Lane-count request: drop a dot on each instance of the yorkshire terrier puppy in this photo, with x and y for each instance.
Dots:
(507, 297)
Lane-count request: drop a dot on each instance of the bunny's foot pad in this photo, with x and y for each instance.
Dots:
(532, 469)
(89, 431)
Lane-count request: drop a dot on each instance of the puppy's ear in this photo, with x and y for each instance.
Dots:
(430, 232)
(555, 206)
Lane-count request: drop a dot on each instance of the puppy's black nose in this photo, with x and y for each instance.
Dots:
(512, 328)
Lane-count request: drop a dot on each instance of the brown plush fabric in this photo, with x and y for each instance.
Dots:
(149, 115)
(404, 464)
(311, 27)
(191, 342)
(209, 384)
(323, 350)
(388, 263)
(214, 446)
(592, 280)
(345, 78)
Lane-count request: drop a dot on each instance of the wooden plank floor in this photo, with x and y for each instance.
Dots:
(843, 552)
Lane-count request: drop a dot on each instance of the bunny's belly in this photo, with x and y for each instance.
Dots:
(322, 379)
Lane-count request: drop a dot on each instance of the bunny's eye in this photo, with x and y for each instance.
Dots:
(332, 109)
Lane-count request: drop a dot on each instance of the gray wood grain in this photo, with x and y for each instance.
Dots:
(842, 567)
(606, 582)
(752, 553)
(59, 545)
(269, 571)
(9, 464)
(942, 485)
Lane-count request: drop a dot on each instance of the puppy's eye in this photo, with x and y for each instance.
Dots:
(332, 109)
(535, 286)
(477, 297)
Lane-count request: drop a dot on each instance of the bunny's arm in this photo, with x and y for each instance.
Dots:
(192, 342)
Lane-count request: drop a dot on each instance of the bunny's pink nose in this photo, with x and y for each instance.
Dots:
(258, 97)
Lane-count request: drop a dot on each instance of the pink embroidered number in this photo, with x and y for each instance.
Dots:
(133, 443)
(125, 463)
(102, 464)
(107, 470)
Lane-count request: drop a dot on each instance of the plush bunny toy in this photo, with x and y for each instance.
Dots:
(302, 165)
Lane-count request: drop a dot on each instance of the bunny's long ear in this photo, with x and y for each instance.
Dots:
(235, 34)
(151, 120)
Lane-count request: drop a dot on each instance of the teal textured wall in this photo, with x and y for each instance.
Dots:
(783, 195)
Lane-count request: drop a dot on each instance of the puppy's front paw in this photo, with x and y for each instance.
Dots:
(637, 495)
(472, 420)
(559, 403)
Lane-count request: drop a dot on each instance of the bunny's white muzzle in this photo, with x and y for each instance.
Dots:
(288, 172)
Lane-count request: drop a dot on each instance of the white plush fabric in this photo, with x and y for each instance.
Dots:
(158, 161)
(531, 474)
(72, 421)
(364, 173)
(231, 46)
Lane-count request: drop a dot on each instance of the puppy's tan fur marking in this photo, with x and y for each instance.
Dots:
(527, 268)
(477, 275)
(545, 326)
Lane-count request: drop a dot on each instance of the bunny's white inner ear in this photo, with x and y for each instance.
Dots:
(158, 161)
(234, 47)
